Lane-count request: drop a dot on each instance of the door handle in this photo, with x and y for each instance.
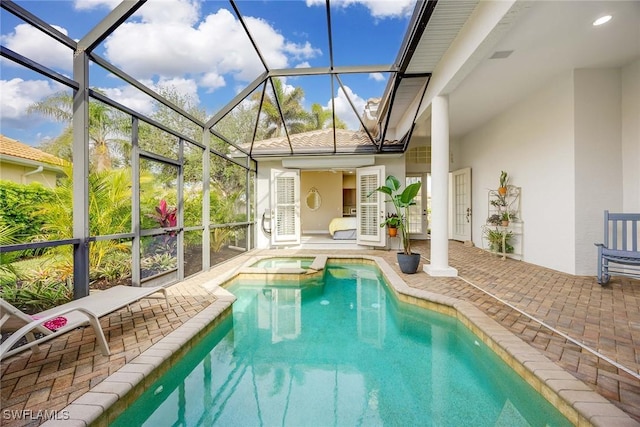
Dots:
(468, 214)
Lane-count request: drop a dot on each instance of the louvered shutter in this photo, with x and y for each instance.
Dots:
(286, 206)
(370, 209)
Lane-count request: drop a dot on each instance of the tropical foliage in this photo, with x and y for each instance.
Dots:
(37, 292)
(108, 129)
(321, 118)
(496, 238)
(16, 208)
(46, 215)
(293, 116)
(109, 211)
(401, 200)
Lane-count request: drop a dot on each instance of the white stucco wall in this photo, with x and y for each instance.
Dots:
(574, 148)
(598, 158)
(263, 189)
(631, 137)
(533, 142)
(329, 186)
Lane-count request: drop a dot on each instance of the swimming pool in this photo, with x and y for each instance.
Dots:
(342, 352)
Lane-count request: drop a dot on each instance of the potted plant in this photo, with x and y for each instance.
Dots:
(504, 178)
(494, 219)
(401, 201)
(505, 218)
(392, 222)
(495, 238)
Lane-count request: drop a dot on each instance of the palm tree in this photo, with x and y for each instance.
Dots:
(106, 125)
(321, 118)
(295, 116)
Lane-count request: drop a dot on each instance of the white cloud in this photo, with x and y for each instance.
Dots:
(344, 110)
(212, 81)
(389, 8)
(18, 95)
(379, 77)
(187, 88)
(165, 12)
(130, 97)
(378, 8)
(303, 64)
(158, 11)
(302, 51)
(94, 4)
(205, 50)
(35, 45)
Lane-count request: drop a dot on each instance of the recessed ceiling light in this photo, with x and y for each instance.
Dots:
(602, 20)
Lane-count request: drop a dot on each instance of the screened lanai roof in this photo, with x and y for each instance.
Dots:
(261, 71)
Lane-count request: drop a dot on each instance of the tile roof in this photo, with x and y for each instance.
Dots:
(11, 147)
(317, 141)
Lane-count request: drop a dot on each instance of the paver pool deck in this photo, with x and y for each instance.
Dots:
(590, 331)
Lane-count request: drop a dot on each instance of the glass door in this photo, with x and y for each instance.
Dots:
(418, 221)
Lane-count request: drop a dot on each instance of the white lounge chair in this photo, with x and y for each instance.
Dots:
(86, 310)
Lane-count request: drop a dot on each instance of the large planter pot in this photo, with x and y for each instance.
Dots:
(408, 263)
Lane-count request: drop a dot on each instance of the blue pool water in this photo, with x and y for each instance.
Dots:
(284, 263)
(338, 352)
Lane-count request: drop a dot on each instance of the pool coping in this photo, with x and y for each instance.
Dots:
(573, 398)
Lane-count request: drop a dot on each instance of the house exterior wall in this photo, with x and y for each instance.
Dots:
(15, 173)
(574, 148)
(598, 158)
(533, 142)
(631, 137)
(263, 190)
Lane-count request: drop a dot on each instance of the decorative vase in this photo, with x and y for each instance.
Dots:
(408, 263)
(393, 232)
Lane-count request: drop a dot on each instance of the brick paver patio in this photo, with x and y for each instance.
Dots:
(605, 319)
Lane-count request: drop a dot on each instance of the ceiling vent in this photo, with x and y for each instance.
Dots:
(501, 54)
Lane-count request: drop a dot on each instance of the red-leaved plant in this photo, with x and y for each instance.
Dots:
(165, 215)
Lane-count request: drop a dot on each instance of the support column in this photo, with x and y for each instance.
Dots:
(80, 124)
(440, 190)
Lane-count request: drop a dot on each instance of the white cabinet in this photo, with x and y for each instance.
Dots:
(503, 232)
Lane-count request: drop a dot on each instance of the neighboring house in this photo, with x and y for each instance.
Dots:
(24, 164)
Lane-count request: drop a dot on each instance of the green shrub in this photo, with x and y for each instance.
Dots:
(17, 203)
(116, 266)
(37, 292)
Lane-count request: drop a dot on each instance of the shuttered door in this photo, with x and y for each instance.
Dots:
(370, 209)
(286, 206)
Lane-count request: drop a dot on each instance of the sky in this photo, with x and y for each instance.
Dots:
(201, 50)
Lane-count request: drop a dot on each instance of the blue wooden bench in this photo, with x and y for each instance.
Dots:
(619, 253)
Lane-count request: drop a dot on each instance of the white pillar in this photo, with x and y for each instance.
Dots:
(440, 190)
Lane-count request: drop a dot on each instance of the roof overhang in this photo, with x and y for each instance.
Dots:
(18, 161)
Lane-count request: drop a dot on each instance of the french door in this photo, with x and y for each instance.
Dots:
(418, 220)
(461, 206)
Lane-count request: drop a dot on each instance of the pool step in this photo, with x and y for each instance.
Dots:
(318, 264)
